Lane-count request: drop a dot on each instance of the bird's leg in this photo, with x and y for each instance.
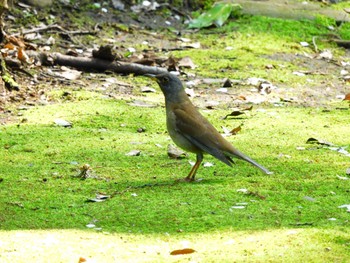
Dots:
(192, 174)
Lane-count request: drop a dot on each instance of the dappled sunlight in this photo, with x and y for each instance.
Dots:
(287, 245)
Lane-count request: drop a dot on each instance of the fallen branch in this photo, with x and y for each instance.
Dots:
(342, 43)
(94, 64)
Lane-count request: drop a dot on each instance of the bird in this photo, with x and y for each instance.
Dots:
(190, 130)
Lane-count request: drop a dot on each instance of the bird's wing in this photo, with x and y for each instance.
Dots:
(199, 131)
(195, 128)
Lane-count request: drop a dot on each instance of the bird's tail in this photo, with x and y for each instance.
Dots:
(242, 156)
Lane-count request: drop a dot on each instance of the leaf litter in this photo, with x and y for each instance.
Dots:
(328, 145)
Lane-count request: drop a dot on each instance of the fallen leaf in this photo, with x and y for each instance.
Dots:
(182, 251)
(340, 150)
(70, 74)
(217, 15)
(222, 90)
(236, 130)
(299, 74)
(248, 108)
(140, 103)
(186, 62)
(255, 81)
(317, 141)
(176, 153)
(194, 45)
(183, 39)
(234, 113)
(133, 153)
(347, 97)
(147, 89)
(85, 171)
(308, 198)
(326, 54)
(345, 206)
(208, 164)
(344, 72)
(63, 123)
(99, 198)
(237, 207)
(342, 177)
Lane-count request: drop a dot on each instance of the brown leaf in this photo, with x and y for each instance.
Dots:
(236, 130)
(176, 153)
(347, 97)
(22, 56)
(249, 108)
(182, 251)
(186, 62)
(235, 113)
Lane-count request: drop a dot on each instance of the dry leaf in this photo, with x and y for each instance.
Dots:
(70, 74)
(99, 198)
(133, 153)
(140, 103)
(235, 113)
(63, 123)
(182, 251)
(186, 62)
(85, 171)
(317, 141)
(22, 56)
(347, 206)
(208, 164)
(222, 90)
(147, 89)
(236, 130)
(176, 153)
(347, 97)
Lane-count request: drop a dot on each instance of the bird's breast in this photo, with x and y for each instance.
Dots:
(178, 138)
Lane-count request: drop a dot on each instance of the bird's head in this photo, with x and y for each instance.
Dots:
(170, 85)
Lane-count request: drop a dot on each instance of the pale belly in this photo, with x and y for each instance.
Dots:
(178, 138)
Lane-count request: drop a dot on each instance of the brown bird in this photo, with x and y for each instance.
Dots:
(190, 130)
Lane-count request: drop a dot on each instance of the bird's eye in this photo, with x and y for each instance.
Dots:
(165, 79)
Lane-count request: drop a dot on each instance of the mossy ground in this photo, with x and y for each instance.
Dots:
(291, 216)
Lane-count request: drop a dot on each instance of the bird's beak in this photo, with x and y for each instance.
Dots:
(151, 76)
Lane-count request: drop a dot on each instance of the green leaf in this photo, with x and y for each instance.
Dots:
(217, 15)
